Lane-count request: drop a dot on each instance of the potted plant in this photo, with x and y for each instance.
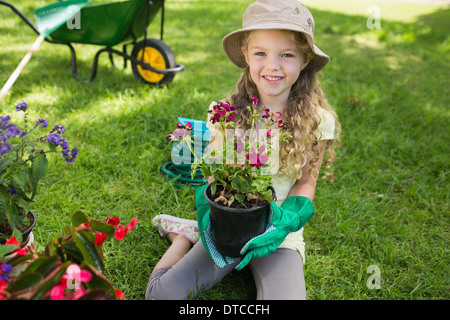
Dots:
(23, 165)
(241, 162)
(71, 267)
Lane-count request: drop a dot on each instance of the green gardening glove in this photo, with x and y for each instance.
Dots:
(293, 214)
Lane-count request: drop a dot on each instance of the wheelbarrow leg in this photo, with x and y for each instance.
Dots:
(124, 50)
(74, 61)
(111, 59)
(95, 64)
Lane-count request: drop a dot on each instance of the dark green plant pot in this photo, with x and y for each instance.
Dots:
(26, 233)
(232, 228)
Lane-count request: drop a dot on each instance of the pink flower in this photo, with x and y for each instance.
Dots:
(180, 132)
(120, 232)
(132, 224)
(222, 111)
(74, 272)
(257, 159)
(255, 100)
(57, 292)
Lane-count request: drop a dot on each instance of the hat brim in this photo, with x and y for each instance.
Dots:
(232, 45)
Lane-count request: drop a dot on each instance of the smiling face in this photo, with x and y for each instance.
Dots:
(275, 63)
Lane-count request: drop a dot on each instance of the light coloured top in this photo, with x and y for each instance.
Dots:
(283, 184)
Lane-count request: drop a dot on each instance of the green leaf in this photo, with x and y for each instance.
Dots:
(239, 197)
(97, 294)
(72, 249)
(103, 227)
(4, 163)
(20, 202)
(7, 248)
(2, 205)
(47, 265)
(20, 259)
(39, 167)
(98, 281)
(25, 281)
(17, 234)
(78, 218)
(213, 187)
(12, 213)
(19, 180)
(85, 242)
(267, 195)
(239, 183)
(53, 280)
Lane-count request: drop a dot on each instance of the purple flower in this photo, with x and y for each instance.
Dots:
(21, 107)
(43, 121)
(12, 130)
(5, 147)
(70, 157)
(12, 191)
(64, 144)
(59, 129)
(4, 121)
(54, 138)
(6, 267)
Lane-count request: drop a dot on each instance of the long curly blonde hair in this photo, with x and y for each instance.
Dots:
(301, 114)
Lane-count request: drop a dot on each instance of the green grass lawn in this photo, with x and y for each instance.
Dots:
(388, 206)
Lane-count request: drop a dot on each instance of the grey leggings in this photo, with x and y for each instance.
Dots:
(278, 276)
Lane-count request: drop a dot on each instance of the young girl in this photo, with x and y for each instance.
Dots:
(276, 49)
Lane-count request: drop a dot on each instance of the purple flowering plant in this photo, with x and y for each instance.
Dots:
(240, 161)
(24, 163)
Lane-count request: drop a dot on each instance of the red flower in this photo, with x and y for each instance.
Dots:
(119, 294)
(132, 224)
(114, 221)
(83, 226)
(3, 285)
(120, 232)
(20, 252)
(13, 241)
(99, 238)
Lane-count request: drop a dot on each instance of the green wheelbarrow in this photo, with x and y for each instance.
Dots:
(114, 23)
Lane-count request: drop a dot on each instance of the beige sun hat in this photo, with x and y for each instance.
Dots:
(274, 14)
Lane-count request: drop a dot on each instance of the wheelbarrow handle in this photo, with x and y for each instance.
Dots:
(178, 68)
(20, 67)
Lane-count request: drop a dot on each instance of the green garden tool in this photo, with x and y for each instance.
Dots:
(48, 19)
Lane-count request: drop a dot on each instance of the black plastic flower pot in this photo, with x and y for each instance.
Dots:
(232, 228)
(26, 233)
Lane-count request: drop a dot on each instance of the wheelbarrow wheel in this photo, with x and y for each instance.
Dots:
(158, 55)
